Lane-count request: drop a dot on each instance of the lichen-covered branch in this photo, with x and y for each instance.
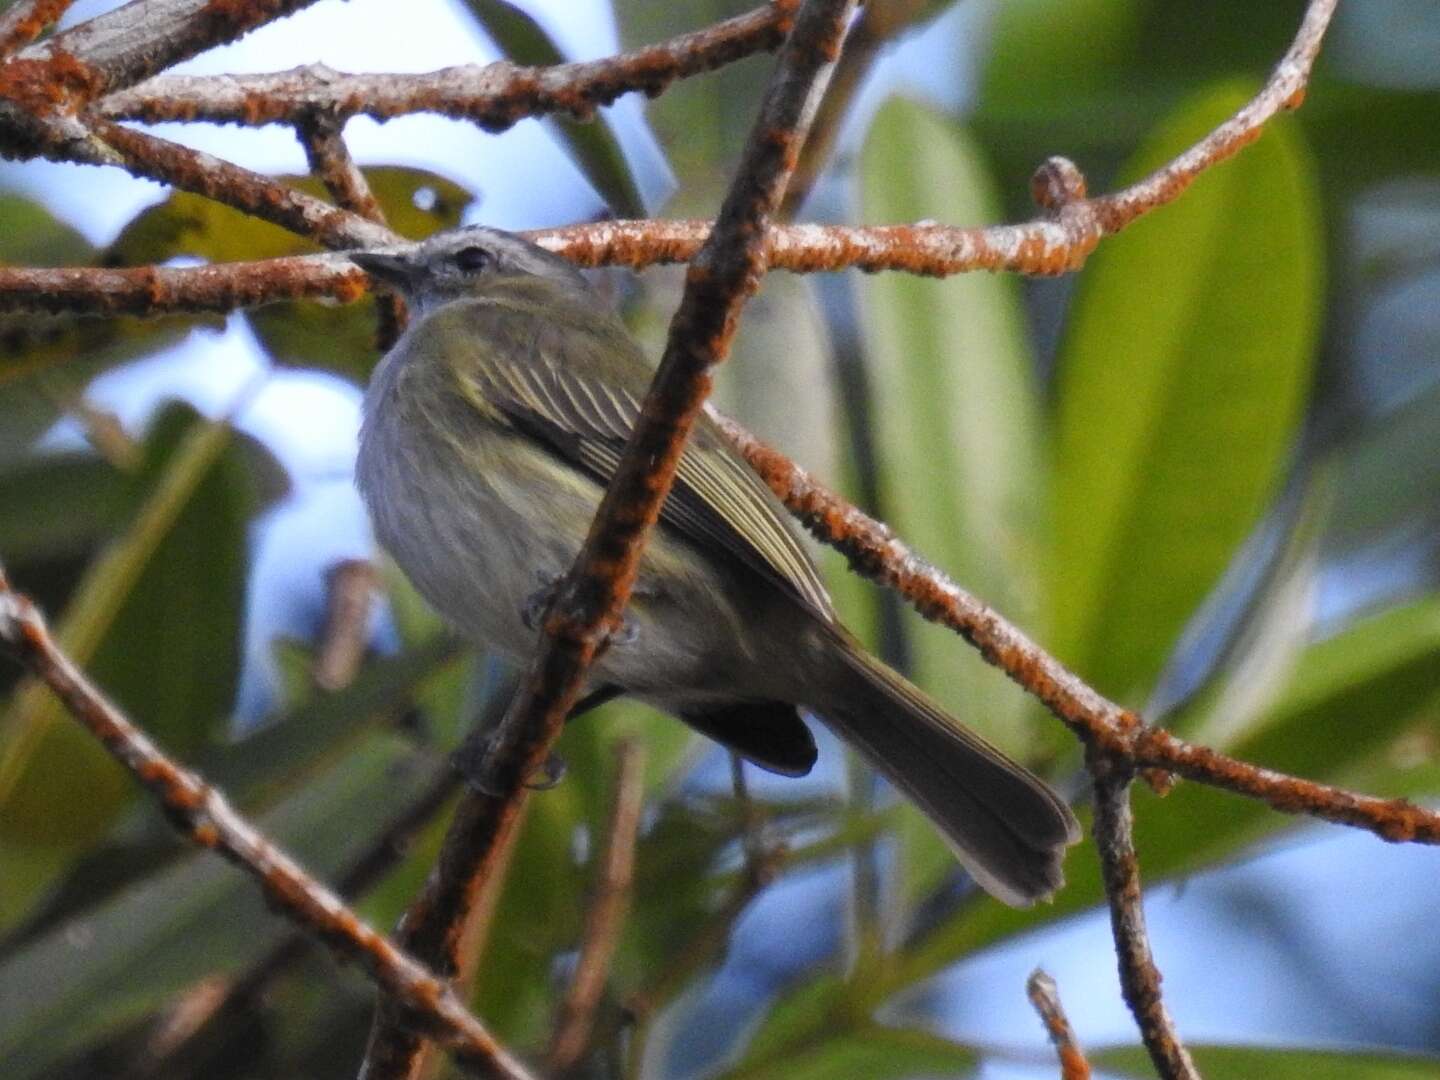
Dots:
(1045, 997)
(25, 20)
(204, 815)
(1120, 870)
(495, 96)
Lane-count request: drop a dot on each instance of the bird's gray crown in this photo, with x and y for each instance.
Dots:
(465, 262)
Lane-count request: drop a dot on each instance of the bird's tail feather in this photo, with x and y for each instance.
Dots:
(1005, 824)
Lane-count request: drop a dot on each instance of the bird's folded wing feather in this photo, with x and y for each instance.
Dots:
(717, 500)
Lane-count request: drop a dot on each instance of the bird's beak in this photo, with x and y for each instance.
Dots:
(386, 266)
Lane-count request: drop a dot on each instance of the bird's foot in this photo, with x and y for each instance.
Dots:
(472, 761)
(537, 604)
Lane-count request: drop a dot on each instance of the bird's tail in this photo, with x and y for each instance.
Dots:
(1005, 825)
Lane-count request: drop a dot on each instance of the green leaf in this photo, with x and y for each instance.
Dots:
(339, 338)
(957, 427)
(1182, 380)
(416, 203)
(57, 507)
(199, 918)
(176, 666)
(1033, 57)
(1247, 1062)
(255, 774)
(956, 416)
(44, 359)
(814, 1032)
(591, 143)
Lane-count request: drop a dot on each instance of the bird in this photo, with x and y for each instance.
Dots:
(489, 433)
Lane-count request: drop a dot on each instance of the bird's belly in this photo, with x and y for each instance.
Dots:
(457, 535)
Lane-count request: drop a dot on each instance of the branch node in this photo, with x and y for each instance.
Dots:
(1057, 183)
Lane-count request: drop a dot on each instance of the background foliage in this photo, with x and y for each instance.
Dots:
(1203, 473)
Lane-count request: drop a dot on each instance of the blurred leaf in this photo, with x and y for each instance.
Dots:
(957, 427)
(43, 762)
(45, 359)
(1247, 1062)
(199, 918)
(1182, 377)
(591, 143)
(58, 506)
(701, 123)
(541, 910)
(1033, 55)
(254, 774)
(814, 1032)
(35, 237)
(335, 337)
(956, 415)
(416, 203)
(866, 1050)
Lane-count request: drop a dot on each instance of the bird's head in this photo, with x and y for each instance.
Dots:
(471, 261)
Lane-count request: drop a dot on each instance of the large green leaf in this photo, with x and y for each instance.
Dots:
(863, 1051)
(956, 417)
(1033, 55)
(57, 507)
(591, 143)
(1182, 377)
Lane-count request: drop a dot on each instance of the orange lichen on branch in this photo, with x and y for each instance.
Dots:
(24, 20)
(135, 40)
(1045, 997)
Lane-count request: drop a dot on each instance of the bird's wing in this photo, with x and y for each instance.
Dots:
(717, 500)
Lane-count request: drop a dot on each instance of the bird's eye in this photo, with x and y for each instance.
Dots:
(474, 260)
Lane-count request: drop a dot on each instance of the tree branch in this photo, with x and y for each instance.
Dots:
(1139, 977)
(1045, 996)
(204, 815)
(604, 915)
(495, 96)
(24, 20)
(133, 42)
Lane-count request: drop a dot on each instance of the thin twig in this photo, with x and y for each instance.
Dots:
(591, 598)
(1045, 996)
(24, 20)
(204, 174)
(206, 817)
(495, 96)
(322, 136)
(238, 996)
(604, 915)
(1120, 869)
(349, 592)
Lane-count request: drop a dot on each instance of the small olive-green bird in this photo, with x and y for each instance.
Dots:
(490, 432)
